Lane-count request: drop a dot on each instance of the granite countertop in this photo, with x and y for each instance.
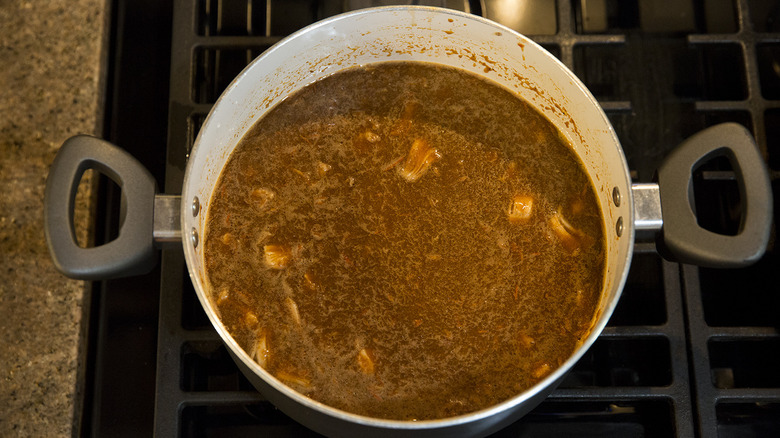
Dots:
(51, 86)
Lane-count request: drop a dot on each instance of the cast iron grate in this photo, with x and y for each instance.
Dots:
(688, 352)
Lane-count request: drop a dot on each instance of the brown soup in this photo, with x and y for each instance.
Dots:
(405, 241)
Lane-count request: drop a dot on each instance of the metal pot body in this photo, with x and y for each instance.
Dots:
(421, 34)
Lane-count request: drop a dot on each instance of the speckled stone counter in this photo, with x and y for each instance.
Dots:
(51, 80)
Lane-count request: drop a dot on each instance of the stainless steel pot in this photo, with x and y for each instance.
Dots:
(410, 34)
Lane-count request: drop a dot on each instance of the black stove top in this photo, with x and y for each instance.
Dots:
(688, 352)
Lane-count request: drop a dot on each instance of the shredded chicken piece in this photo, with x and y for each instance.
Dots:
(323, 169)
(526, 341)
(302, 174)
(419, 159)
(366, 140)
(294, 380)
(292, 307)
(308, 281)
(228, 239)
(250, 318)
(371, 136)
(223, 296)
(277, 256)
(262, 353)
(261, 196)
(317, 232)
(541, 370)
(520, 209)
(239, 297)
(365, 362)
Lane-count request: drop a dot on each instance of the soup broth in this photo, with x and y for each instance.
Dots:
(405, 241)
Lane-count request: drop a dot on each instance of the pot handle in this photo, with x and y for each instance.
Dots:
(131, 253)
(682, 236)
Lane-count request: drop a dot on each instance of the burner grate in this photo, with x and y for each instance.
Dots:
(688, 351)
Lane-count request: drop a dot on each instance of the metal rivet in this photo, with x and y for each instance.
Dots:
(195, 206)
(194, 237)
(619, 226)
(616, 196)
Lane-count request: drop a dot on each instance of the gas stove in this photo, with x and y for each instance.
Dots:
(688, 352)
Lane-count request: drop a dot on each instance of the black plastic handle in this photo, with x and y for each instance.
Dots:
(131, 253)
(682, 236)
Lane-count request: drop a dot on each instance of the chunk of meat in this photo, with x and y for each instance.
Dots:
(261, 197)
(277, 256)
(302, 174)
(323, 169)
(520, 209)
(292, 308)
(223, 296)
(418, 161)
(541, 370)
(525, 340)
(366, 141)
(365, 362)
(228, 239)
(371, 136)
(250, 319)
(309, 282)
(262, 353)
(294, 380)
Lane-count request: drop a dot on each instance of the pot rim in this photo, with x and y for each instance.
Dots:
(549, 381)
